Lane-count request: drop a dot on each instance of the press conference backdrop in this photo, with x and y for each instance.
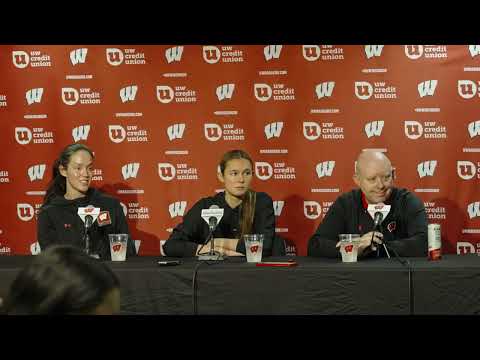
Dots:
(160, 116)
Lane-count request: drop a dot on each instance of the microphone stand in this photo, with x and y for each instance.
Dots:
(404, 262)
(383, 243)
(386, 250)
(88, 224)
(87, 241)
(212, 255)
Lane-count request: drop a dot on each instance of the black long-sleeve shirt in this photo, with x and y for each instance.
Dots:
(59, 223)
(193, 231)
(404, 229)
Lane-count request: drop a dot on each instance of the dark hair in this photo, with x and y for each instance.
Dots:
(58, 184)
(60, 280)
(250, 197)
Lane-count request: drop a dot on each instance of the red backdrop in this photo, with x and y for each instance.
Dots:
(159, 118)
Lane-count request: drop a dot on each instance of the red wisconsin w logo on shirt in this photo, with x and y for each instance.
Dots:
(392, 226)
(104, 218)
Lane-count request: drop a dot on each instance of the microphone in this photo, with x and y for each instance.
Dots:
(377, 219)
(378, 212)
(212, 223)
(88, 221)
(212, 217)
(88, 215)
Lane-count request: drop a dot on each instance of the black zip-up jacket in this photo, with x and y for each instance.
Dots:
(404, 229)
(59, 223)
(186, 236)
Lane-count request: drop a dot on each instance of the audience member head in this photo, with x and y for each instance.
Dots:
(64, 280)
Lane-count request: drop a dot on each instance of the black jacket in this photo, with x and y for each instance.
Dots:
(193, 231)
(59, 223)
(404, 229)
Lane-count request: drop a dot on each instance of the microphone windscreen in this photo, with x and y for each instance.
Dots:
(378, 218)
(212, 221)
(88, 221)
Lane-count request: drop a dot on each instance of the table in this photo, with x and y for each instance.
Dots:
(315, 287)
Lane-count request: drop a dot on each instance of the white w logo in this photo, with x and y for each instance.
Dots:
(34, 95)
(225, 91)
(374, 128)
(175, 131)
(36, 172)
(373, 50)
(130, 170)
(128, 93)
(474, 50)
(78, 56)
(325, 89)
(474, 209)
(80, 132)
(177, 208)
(278, 207)
(325, 168)
(474, 128)
(174, 54)
(427, 88)
(426, 168)
(273, 129)
(272, 51)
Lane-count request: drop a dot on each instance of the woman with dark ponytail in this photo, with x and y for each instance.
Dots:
(69, 189)
(245, 212)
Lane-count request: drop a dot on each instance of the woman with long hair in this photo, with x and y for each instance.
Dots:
(69, 189)
(245, 212)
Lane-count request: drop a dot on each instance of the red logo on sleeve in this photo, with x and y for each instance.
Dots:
(392, 226)
(104, 218)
